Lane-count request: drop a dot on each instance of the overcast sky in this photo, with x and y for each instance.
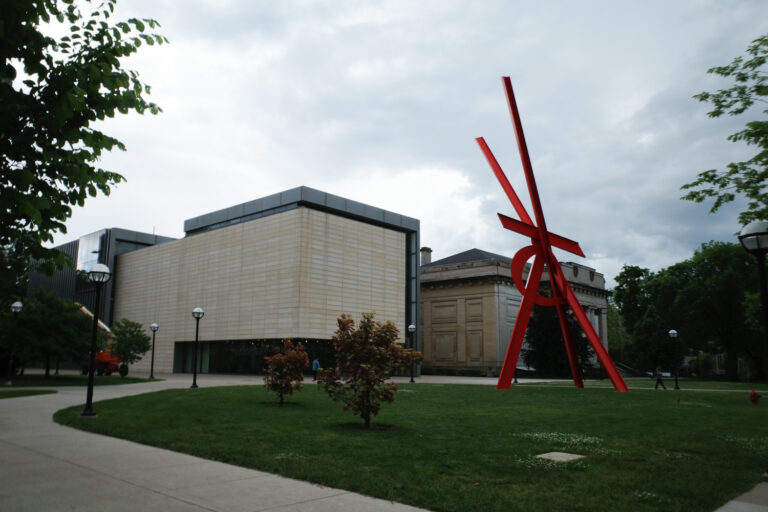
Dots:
(380, 102)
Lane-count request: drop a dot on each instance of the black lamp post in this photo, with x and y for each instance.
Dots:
(98, 275)
(412, 332)
(198, 314)
(673, 336)
(754, 238)
(16, 308)
(154, 328)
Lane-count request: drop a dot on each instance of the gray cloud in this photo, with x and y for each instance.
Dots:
(383, 101)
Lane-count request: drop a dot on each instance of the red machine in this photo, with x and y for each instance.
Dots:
(106, 362)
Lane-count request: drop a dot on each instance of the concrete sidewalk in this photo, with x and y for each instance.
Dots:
(47, 467)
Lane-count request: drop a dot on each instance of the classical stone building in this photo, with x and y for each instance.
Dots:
(469, 305)
(284, 266)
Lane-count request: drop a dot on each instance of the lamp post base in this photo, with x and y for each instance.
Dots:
(88, 413)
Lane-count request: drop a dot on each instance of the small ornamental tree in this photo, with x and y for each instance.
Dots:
(129, 341)
(285, 371)
(366, 357)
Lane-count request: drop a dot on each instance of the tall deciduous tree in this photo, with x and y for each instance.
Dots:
(702, 298)
(629, 294)
(50, 328)
(52, 91)
(366, 357)
(747, 178)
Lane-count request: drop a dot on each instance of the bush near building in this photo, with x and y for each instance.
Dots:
(285, 371)
(366, 358)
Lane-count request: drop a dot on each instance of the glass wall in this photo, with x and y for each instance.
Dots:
(91, 250)
(241, 356)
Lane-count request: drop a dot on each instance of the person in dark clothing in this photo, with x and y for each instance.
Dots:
(658, 379)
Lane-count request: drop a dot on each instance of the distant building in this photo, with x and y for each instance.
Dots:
(284, 266)
(469, 305)
(103, 246)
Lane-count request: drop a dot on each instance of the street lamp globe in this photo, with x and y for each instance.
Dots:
(754, 236)
(154, 327)
(99, 274)
(198, 313)
(16, 307)
(672, 333)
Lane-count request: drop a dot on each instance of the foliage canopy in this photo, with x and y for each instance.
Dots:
(545, 347)
(747, 178)
(48, 328)
(53, 90)
(702, 298)
(129, 341)
(285, 370)
(366, 358)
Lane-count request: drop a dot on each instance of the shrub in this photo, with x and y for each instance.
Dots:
(366, 357)
(285, 371)
(129, 341)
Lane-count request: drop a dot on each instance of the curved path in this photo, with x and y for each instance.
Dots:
(47, 467)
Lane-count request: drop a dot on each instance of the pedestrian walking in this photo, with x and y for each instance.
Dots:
(659, 382)
(315, 368)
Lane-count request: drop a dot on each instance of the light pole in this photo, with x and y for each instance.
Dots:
(16, 308)
(412, 331)
(154, 328)
(754, 238)
(98, 275)
(673, 336)
(198, 314)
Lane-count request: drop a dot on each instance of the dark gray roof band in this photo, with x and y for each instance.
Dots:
(293, 198)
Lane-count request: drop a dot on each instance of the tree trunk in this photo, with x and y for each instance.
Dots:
(366, 413)
(731, 365)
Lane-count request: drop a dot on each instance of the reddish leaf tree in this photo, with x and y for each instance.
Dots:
(285, 370)
(366, 356)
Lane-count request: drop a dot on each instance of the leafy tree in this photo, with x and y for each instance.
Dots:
(713, 296)
(285, 371)
(52, 91)
(51, 328)
(366, 357)
(129, 341)
(746, 178)
(619, 340)
(754, 337)
(545, 346)
(629, 294)
(702, 298)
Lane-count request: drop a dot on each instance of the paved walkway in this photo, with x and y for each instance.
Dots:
(47, 467)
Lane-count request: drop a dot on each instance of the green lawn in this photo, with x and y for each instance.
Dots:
(649, 383)
(16, 393)
(471, 448)
(38, 380)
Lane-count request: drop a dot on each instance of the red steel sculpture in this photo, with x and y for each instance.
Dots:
(542, 242)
